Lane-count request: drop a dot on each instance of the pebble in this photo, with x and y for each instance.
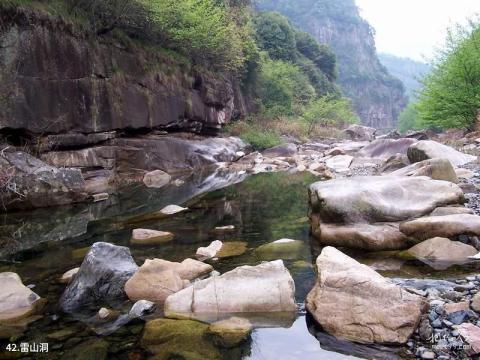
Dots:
(428, 355)
(437, 323)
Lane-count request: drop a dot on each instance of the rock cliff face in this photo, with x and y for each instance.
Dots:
(57, 78)
(378, 97)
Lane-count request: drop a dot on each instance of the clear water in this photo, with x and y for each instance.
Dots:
(41, 245)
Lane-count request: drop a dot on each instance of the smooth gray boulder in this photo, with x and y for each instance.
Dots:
(101, 278)
(436, 169)
(353, 302)
(373, 237)
(360, 132)
(427, 149)
(385, 148)
(285, 150)
(447, 226)
(265, 288)
(373, 199)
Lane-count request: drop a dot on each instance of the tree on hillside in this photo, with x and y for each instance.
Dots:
(451, 92)
(276, 36)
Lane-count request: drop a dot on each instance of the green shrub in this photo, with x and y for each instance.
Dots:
(327, 112)
(276, 36)
(409, 119)
(260, 138)
(282, 88)
(450, 97)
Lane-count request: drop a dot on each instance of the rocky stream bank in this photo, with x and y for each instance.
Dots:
(410, 200)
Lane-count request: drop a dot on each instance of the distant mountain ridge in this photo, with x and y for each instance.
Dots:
(409, 71)
(378, 97)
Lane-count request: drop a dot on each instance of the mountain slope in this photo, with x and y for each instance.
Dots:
(407, 70)
(378, 96)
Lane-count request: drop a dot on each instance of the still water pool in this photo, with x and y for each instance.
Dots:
(41, 245)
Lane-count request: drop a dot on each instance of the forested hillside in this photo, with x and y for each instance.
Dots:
(378, 96)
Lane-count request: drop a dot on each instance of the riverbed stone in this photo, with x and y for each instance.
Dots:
(394, 163)
(451, 210)
(16, 300)
(386, 148)
(372, 199)
(286, 249)
(360, 132)
(178, 339)
(339, 163)
(210, 251)
(150, 237)
(436, 169)
(353, 302)
(68, 276)
(427, 149)
(442, 250)
(265, 288)
(229, 332)
(101, 278)
(284, 150)
(447, 226)
(471, 334)
(476, 302)
(156, 279)
(172, 210)
(373, 237)
(231, 249)
(156, 179)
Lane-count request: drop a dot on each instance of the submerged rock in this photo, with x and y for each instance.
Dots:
(156, 179)
(265, 288)
(447, 226)
(150, 237)
(436, 169)
(374, 199)
(101, 278)
(286, 249)
(156, 279)
(231, 249)
(355, 303)
(16, 300)
(178, 339)
(427, 149)
(229, 332)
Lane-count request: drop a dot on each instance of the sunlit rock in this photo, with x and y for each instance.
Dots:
(353, 302)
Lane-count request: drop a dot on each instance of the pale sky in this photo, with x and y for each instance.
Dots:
(414, 28)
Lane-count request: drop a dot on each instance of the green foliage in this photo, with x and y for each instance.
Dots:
(260, 138)
(450, 97)
(322, 56)
(276, 36)
(282, 88)
(328, 111)
(408, 119)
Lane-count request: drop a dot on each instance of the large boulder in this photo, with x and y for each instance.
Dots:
(286, 150)
(265, 288)
(440, 253)
(373, 237)
(427, 149)
(360, 132)
(101, 278)
(372, 199)
(436, 169)
(16, 300)
(27, 182)
(156, 279)
(385, 148)
(447, 226)
(353, 302)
